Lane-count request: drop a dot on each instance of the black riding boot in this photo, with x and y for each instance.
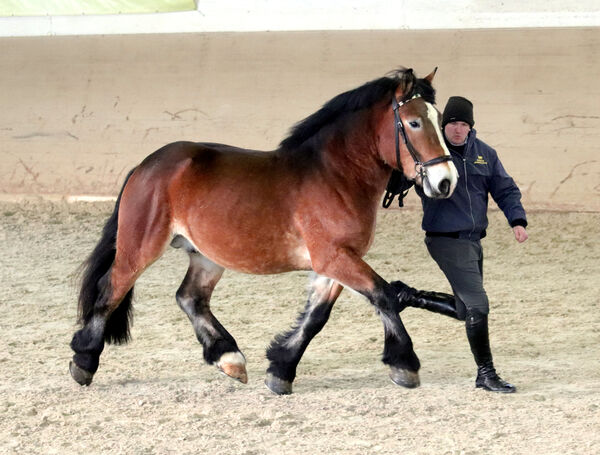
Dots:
(437, 302)
(478, 335)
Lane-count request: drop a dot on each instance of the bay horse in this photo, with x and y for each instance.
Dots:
(311, 204)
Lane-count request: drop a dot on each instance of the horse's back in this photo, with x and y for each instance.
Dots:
(200, 153)
(193, 167)
(234, 205)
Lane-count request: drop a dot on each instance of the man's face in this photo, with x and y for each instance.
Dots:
(457, 132)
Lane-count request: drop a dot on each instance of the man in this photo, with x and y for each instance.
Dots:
(454, 228)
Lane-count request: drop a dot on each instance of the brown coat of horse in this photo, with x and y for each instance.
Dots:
(309, 205)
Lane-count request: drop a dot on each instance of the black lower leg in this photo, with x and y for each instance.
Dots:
(287, 349)
(211, 334)
(436, 302)
(88, 344)
(476, 326)
(478, 335)
(398, 350)
(215, 346)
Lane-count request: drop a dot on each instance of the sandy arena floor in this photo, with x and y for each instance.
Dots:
(156, 396)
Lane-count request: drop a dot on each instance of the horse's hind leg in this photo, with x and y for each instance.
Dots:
(113, 307)
(193, 297)
(109, 275)
(286, 350)
(108, 320)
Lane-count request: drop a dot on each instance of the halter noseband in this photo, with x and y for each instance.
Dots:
(399, 125)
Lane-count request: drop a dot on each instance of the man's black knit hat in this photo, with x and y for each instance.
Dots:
(458, 109)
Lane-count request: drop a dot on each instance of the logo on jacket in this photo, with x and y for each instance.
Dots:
(480, 160)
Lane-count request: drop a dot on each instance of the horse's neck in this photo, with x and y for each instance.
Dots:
(353, 158)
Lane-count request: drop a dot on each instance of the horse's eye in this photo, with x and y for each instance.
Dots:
(414, 124)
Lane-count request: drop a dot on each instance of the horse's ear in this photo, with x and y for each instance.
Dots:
(429, 77)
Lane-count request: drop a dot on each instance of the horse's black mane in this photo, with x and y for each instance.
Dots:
(357, 99)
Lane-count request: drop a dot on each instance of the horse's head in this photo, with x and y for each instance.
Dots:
(420, 150)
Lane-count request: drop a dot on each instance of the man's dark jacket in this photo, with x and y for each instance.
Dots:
(465, 212)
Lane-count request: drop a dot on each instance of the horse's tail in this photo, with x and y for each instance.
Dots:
(95, 281)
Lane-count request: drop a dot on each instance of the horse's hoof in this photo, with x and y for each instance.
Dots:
(405, 378)
(81, 376)
(277, 385)
(233, 364)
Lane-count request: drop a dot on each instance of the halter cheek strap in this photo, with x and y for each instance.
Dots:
(400, 130)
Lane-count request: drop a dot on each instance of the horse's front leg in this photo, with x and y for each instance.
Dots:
(285, 351)
(398, 350)
(350, 270)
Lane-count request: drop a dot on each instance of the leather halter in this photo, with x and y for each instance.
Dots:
(399, 125)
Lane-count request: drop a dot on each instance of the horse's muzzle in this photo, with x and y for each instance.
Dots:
(439, 183)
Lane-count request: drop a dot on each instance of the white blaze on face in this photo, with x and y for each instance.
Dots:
(432, 114)
(442, 171)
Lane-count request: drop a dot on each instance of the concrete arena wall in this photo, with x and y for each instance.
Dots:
(79, 111)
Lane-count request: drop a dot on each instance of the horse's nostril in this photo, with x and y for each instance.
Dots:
(444, 187)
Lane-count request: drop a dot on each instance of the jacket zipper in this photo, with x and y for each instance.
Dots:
(469, 195)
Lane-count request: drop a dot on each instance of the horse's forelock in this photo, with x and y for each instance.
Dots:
(406, 81)
(410, 85)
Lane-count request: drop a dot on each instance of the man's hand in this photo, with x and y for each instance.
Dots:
(520, 234)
